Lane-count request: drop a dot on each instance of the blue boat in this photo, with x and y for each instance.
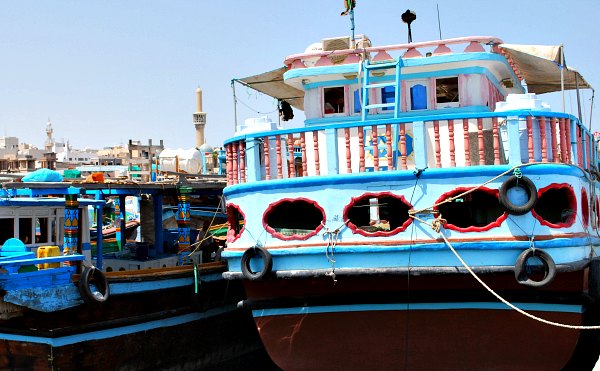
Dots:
(432, 213)
(67, 304)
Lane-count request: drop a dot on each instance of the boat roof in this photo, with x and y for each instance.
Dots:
(538, 65)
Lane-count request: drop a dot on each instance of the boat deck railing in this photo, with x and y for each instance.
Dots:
(408, 143)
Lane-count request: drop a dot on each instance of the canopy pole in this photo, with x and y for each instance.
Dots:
(234, 107)
(562, 75)
(591, 110)
(578, 100)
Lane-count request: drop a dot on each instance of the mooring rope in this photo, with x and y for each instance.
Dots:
(331, 243)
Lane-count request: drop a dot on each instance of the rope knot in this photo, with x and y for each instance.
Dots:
(517, 173)
(438, 223)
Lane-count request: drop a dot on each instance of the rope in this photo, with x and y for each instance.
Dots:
(331, 243)
(437, 224)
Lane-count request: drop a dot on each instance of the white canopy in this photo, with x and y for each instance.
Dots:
(271, 83)
(539, 65)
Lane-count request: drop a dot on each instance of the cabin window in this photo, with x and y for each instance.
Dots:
(446, 92)
(585, 208)
(25, 226)
(294, 219)
(474, 212)
(388, 95)
(333, 100)
(7, 229)
(41, 230)
(556, 206)
(417, 95)
(378, 214)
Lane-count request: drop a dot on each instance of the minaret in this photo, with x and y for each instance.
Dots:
(199, 119)
(49, 139)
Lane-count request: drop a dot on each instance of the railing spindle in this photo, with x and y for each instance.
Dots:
(553, 143)
(348, 152)
(316, 147)
(229, 163)
(466, 140)
(375, 142)
(543, 139)
(304, 158)
(292, 166)
(529, 121)
(234, 169)
(496, 136)
(243, 178)
(480, 143)
(579, 145)
(388, 139)
(279, 159)
(563, 141)
(568, 141)
(437, 147)
(403, 146)
(267, 158)
(361, 149)
(452, 146)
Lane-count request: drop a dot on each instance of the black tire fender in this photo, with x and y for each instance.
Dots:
(521, 271)
(92, 274)
(523, 182)
(267, 263)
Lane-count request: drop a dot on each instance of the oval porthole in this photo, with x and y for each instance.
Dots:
(556, 206)
(476, 211)
(235, 222)
(378, 214)
(294, 219)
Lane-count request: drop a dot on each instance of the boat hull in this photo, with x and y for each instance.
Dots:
(421, 323)
(138, 328)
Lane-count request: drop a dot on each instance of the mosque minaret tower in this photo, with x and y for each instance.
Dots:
(199, 119)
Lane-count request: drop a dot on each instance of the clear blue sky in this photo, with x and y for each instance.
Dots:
(108, 71)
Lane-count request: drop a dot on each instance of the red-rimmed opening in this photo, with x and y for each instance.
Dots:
(585, 208)
(294, 219)
(235, 222)
(378, 214)
(556, 206)
(477, 211)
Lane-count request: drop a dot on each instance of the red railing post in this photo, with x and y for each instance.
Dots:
(466, 140)
(452, 146)
(304, 158)
(234, 168)
(375, 142)
(403, 146)
(348, 152)
(437, 147)
(480, 143)
(316, 147)
(242, 146)
(292, 165)
(388, 139)
(361, 149)
(543, 140)
(529, 121)
(553, 143)
(496, 136)
(267, 159)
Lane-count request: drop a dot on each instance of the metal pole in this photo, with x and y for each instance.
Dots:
(234, 106)
(578, 99)
(353, 45)
(562, 75)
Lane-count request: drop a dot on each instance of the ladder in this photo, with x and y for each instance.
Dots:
(368, 85)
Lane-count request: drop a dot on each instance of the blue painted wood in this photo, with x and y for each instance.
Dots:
(252, 160)
(332, 151)
(420, 145)
(574, 150)
(99, 236)
(46, 299)
(514, 141)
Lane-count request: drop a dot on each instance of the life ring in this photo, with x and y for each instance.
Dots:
(100, 295)
(524, 183)
(521, 271)
(267, 263)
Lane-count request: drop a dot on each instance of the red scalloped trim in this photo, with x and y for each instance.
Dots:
(280, 236)
(597, 213)
(572, 204)
(231, 237)
(456, 191)
(357, 230)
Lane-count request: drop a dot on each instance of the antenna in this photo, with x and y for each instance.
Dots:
(439, 25)
(408, 17)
